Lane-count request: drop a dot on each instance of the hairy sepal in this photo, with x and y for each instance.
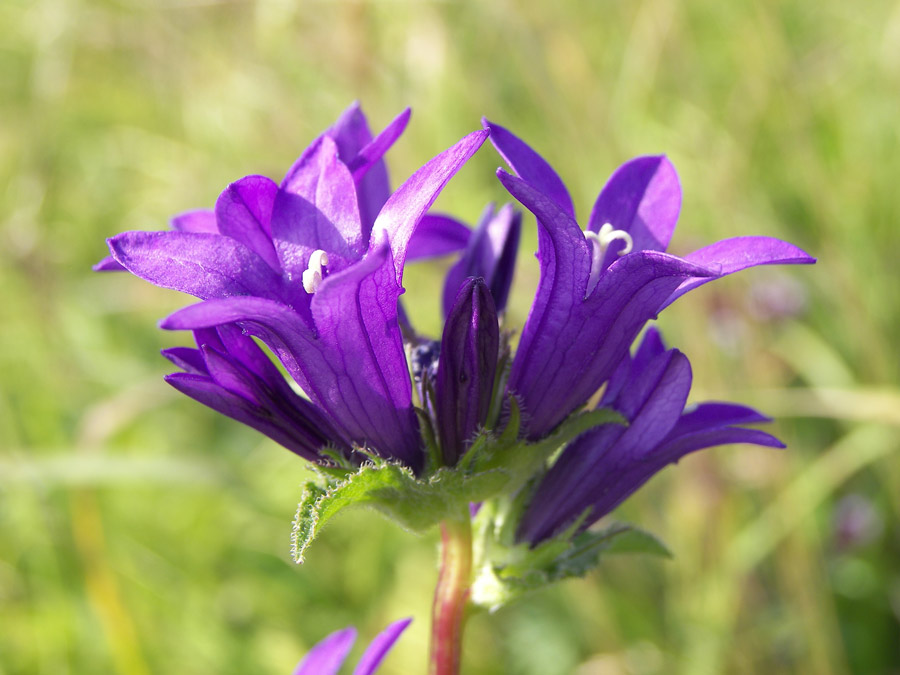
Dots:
(495, 465)
(394, 491)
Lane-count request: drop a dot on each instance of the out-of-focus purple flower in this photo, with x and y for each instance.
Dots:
(488, 251)
(856, 522)
(777, 297)
(302, 266)
(327, 657)
(599, 287)
(605, 465)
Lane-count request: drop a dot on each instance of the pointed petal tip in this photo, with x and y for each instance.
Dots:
(402, 623)
(170, 322)
(107, 264)
(480, 134)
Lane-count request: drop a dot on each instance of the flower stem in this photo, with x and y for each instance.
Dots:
(451, 595)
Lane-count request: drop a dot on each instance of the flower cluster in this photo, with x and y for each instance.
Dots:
(313, 268)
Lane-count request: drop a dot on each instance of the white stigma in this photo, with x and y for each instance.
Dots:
(312, 275)
(600, 242)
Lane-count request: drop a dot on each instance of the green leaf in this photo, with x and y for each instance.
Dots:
(494, 466)
(514, 571)
(631, 539)
(392, 490)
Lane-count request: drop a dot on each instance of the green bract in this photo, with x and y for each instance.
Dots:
(498, 470)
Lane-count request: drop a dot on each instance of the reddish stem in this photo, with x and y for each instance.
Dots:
(451, 595)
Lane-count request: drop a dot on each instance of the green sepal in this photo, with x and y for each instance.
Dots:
(495, 465)
(392, 490)
(509, 572)
(523, 460)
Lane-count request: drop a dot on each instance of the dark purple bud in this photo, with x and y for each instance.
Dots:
(467, 366)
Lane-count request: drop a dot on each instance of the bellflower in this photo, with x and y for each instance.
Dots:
(327, 657)
(598, 287)
(313, 267)
(603, 466)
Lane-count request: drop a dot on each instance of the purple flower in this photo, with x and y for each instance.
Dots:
(232, 375)
(605, 465)
(599, 287)
(328, 656)
(313, 267)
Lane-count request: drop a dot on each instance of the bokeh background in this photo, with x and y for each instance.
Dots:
(141, 533)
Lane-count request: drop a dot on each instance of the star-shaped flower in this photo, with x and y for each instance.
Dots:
(307, 267)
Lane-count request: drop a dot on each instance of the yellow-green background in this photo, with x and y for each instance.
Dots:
(141, 533)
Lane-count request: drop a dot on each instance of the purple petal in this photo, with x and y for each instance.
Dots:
(569, 345)
(373, 151)
(437, 235)
(230, 376)
(108, 264)
(733, 255)
(651, 346)
(204, 265)
(379, 647)
(599, 462)
(316, 208)
(363, 155)
(565, 266)
(712, 415)
(210, 394)
(241, 347)
(643, 198)
(198, 220)
(631, 367)
(630, 480)
(189, 360)
(466, 369)
(491, 254)
(677, 448)
(353, 367)
(282, 328)
(350, 132)
(244, 212)
(327, 657)
(530, 166)
(355, 314)
(209, 337)
(405, 208)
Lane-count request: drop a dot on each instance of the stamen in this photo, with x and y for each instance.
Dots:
(608, 235)
(600, 242)
(313, 274)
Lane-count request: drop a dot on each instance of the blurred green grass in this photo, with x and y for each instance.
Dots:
(140, 533)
